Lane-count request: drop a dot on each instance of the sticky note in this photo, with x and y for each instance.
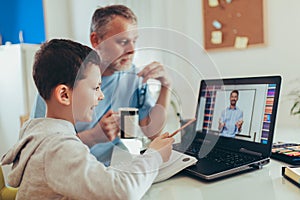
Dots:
(241, 42)
(216, 37)
(217, 24)
(213, 3)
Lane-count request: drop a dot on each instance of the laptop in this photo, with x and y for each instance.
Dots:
(235, 124)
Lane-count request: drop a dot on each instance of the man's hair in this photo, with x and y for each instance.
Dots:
(102, 16)
(61, 61)
(234, 91)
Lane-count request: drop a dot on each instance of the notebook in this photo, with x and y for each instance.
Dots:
(234, 128)
(177, 162)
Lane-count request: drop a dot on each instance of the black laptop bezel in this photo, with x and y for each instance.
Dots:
(237, 144)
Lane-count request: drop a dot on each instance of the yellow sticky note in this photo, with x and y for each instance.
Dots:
(216, 37)
(213, 3)
(241, 42)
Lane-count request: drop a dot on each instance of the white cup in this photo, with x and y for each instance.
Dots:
(129, 120)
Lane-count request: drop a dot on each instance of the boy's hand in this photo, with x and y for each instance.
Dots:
(163, 145)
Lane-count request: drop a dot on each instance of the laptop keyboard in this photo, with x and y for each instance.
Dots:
(224, 157)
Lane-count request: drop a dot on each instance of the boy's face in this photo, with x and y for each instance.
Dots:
(116, 48)
(87, 94)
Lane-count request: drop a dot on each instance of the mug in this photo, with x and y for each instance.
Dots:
(129, 120)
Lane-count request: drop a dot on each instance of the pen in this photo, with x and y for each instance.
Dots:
(181, 128)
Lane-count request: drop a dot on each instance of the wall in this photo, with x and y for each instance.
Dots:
(58, 23)
(25, 16)
(17, 91)
(278, 56)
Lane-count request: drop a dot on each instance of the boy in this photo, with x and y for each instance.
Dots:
(49, 160)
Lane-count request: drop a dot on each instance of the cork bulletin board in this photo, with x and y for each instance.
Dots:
(233, 23)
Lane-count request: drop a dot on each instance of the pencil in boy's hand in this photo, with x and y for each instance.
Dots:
(181, 128)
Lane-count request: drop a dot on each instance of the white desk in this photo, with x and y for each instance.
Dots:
(266, 183)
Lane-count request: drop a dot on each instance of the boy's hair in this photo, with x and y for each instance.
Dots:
(61, 61)
(102, 16)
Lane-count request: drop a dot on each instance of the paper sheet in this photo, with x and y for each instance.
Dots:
(216, 37)
(241, 42)
(177, 162)
(213, 3)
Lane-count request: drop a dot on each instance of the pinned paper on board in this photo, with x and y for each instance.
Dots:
(213, 3)
(233, 18)
(216, 37)
(241, 42)
(217, 24)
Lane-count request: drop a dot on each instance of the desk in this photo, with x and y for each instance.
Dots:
(266, 183)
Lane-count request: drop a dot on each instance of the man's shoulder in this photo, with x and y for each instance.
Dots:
(237, 108)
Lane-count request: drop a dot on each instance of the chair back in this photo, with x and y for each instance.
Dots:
(6, 192)
(2, 183)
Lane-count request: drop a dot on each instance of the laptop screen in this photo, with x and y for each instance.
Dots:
(241, 109)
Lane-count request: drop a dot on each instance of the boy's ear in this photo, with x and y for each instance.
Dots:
(63, 94)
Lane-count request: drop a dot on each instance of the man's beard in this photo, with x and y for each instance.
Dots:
(233, 103)
(120, 64)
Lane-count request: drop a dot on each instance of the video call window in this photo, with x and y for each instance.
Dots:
(251, 107)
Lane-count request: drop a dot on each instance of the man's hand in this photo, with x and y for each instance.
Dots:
(155, 70)
(163, 144)
(105, 130)
(239, 125)
(221, 125)
(109, 125)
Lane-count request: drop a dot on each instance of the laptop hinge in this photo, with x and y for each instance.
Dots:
(243, 150)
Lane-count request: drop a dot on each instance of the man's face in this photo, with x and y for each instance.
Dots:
(233, 98)
(116, 48)
(86, 94)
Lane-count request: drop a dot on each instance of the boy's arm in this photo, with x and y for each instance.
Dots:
(93, 180)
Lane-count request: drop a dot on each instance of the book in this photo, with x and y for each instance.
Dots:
(292, 174)
(286, 152)
(177, 162)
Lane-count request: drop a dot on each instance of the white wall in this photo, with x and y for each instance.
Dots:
(278, 56)
(58, 22)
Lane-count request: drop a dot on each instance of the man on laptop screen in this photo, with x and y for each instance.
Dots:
(231, 119)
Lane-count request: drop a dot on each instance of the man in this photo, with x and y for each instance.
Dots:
(231, 120)
(113, 35)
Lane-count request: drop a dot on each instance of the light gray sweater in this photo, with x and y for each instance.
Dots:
(50, 162)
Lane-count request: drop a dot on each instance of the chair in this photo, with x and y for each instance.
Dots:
(6, 193)
(23, 119)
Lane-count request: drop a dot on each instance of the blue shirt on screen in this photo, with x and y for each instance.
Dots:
(230, 117)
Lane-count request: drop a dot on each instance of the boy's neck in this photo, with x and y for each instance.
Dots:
(59, 111)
